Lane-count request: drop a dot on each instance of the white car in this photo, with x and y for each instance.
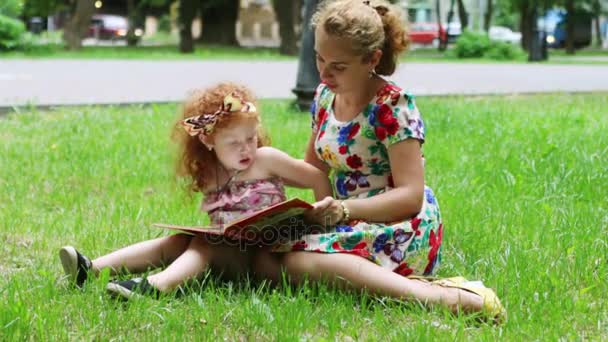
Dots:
(504, 34)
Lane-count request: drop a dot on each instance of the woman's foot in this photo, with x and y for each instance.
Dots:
(75, 265)
(132, 288)
(473, 296)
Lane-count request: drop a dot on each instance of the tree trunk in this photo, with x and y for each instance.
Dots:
(219, 23)
(77, 24)
(443, 43)
(524, 25)
(570, 27)
(132, 16)
(463, 15)
(285, 11)
(597, 8)
(487, 18)
(186, 12)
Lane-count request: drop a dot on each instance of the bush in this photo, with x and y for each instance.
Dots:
(478, 45)
(11, 31)
(164, 24)
(504, 51)
(471, 45)
(11, 8)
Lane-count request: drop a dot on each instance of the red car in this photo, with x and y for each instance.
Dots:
(427, 33)
(106, 26)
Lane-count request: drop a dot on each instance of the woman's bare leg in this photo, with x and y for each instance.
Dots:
(143, 255)
(355, 273)
(229, 260)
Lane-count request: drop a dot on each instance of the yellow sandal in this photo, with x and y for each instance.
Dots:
(491, 304)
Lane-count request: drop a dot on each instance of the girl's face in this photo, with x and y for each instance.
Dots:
(237, 144)
(338, 66)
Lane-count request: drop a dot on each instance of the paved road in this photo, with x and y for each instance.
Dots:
(55, 82)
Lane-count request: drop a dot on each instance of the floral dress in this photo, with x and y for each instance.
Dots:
(357, 153)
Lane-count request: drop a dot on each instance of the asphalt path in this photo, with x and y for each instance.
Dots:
(73, 82)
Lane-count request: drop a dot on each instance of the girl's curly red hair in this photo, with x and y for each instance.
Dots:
(195, 161)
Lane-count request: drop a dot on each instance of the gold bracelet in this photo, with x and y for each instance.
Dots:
(345, 213)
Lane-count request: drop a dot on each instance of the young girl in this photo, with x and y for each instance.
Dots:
(224, 157)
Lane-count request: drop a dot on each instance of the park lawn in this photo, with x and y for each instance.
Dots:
(521, 181)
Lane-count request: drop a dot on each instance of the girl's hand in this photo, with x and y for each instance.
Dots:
(327, 212)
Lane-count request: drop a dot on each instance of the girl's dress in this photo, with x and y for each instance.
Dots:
(238, 199)
(356, 152)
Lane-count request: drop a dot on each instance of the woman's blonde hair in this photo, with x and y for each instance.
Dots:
(195, 161)
(369, 25)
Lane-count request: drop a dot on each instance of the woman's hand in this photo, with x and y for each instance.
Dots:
(327, 212)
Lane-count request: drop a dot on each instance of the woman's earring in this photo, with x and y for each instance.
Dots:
(371, 74)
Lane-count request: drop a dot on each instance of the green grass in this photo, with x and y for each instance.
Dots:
(163, 52)
(521, 181)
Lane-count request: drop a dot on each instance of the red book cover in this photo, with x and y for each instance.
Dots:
(261, 224)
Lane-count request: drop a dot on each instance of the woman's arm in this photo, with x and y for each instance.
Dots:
(311, 157)
(296, 172)
(404, 201)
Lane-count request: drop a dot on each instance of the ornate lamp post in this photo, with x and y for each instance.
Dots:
(308, 76)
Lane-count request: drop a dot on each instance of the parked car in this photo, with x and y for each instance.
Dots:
(554, 24)
(504, 34)
(427, 33)
(110, 27)
(454, 30)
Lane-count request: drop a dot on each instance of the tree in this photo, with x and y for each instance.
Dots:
(219, 21)
(596, 9)
(570, 27)
(77, 24)
(463, 14)
(186, 12)
(487, 18)
(287, 13)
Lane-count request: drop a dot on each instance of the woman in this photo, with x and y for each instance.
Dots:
(383, 229)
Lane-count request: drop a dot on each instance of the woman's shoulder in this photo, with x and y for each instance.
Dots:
(392, 94)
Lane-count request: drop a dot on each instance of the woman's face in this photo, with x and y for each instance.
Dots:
(338, 66)
(237, 144)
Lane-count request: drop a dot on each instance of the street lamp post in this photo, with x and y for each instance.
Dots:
(308, 76)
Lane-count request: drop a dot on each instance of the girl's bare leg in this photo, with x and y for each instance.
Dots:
(144, 255)
(355, 273)
(197, 258)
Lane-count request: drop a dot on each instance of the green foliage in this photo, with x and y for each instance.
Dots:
(11, 8)
(164, 23)
(504, 51)
(471, 45)
(505, 15)
(42, 8)
(11, 31)
(477, 45)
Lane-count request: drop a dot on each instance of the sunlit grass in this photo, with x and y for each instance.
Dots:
(521, 182)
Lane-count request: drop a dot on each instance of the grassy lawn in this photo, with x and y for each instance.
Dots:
(521, 180)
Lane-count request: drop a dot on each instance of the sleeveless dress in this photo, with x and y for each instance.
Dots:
(357, 154)
(238, 199)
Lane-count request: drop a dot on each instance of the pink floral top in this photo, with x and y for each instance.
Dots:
(241, 198)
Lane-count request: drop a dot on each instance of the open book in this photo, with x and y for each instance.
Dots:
(282, 220)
